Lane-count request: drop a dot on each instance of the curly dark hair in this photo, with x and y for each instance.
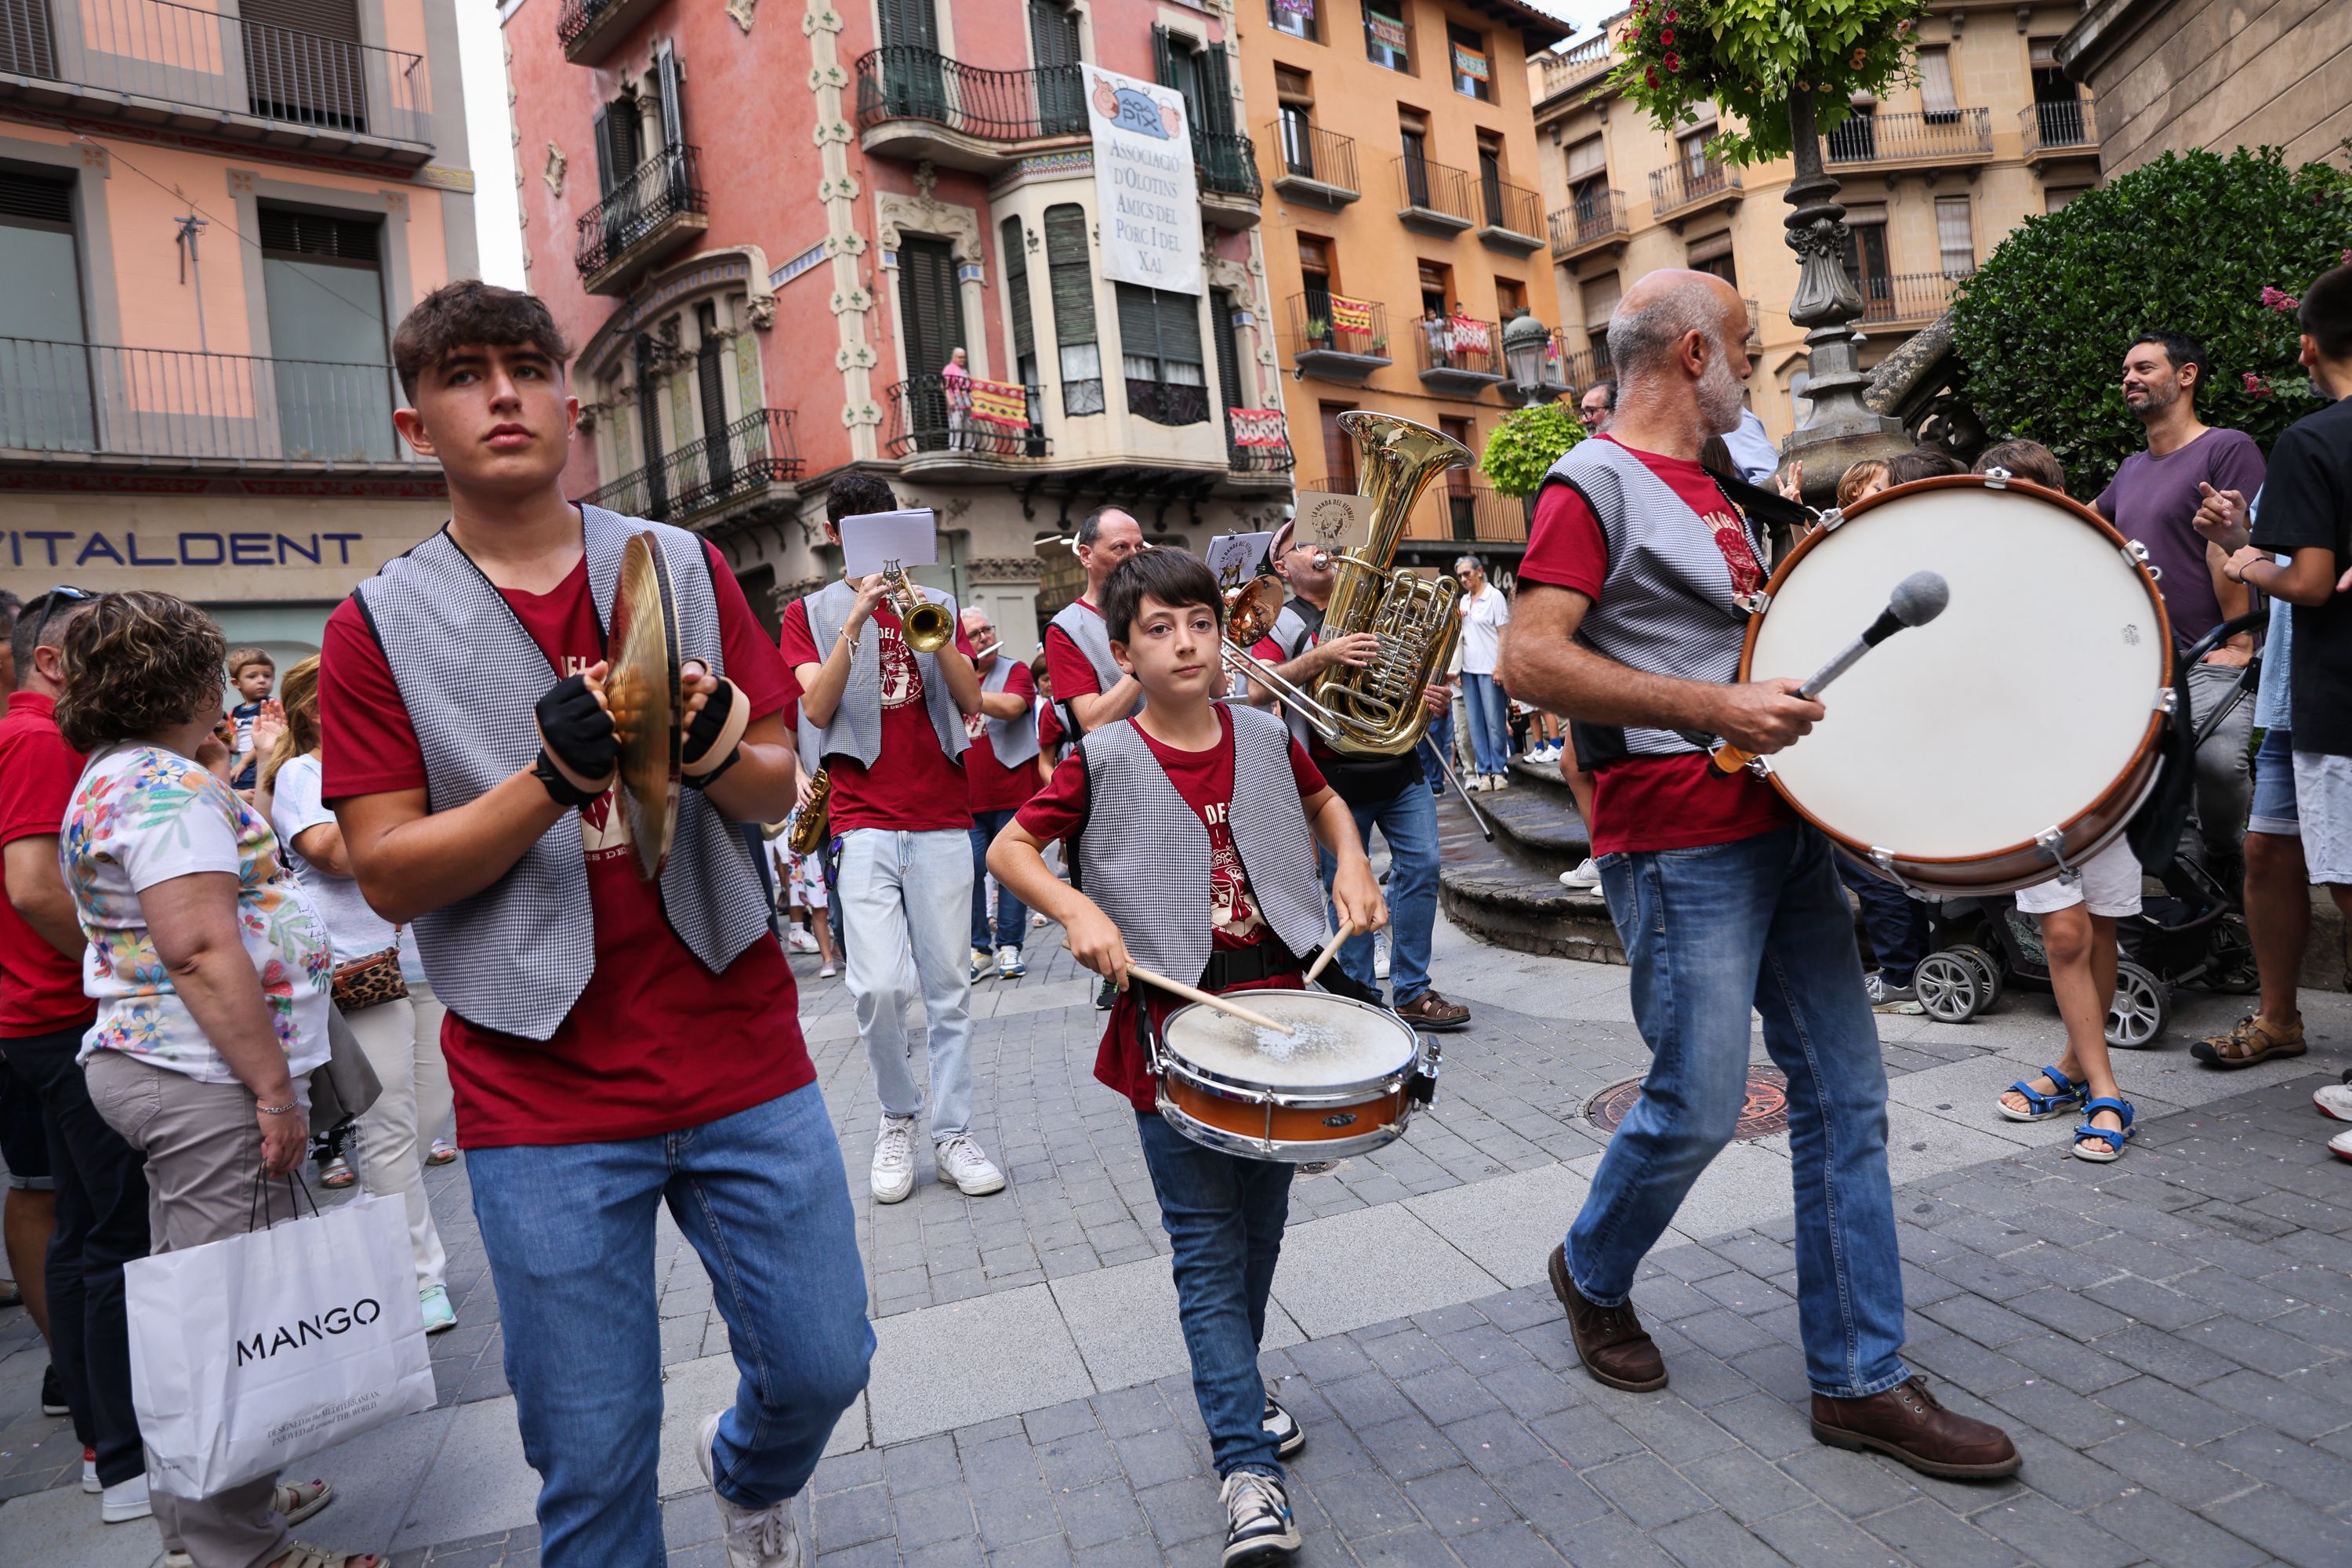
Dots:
(470, 313)
(136, 663)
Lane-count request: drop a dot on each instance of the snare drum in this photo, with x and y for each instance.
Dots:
(2010, 737)
(1344, 1084)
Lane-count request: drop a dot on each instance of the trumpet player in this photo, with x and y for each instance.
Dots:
(1386, 792)
(890, 722)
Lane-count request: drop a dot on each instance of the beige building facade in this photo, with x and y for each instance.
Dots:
(1932, 174)
(2168, 74)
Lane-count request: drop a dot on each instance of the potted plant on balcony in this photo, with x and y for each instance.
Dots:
(1318, 332)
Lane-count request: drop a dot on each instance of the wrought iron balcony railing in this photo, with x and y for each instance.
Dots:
(1507, 208)
(1457, 347)
(1469, 513)
(1962, 136)
(187, 406)
(663, 187)
(1683, 184)
(1226, 163)
(903, 82)
(1580, 367)
(1906, 296)
(125, 59)
(2066, 125)
(1434, 194)
(1259, 457)
(746, 457)
(1594, 215)
(918, 421)
(1332, 333)
(1312, 154)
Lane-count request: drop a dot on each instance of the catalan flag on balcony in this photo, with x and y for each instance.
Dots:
(1471, 337)
(1256, 427)
(1000, 404)
(1353, 316)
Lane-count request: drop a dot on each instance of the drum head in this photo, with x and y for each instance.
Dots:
(1339, 1042)
(2015, 710)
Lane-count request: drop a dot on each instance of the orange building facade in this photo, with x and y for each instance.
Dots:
(1404, 230)
(769, 229)
(211, 215)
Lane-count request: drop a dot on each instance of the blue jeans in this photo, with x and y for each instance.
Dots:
(1408, 820)
(1707, 931)
(1437, 750)
(1490, 724)
(1896, 923)
(1011, 915)
(1224, 1214)
(763, 1199)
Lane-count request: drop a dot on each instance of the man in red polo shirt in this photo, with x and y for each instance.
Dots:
(1087, 682)
(999, 775)
(101, 1187)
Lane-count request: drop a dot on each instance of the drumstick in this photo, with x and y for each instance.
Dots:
(1347, 929)
(1209, 999)
(1916, 600)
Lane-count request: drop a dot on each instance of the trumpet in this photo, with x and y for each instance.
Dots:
(809, 827)
(927, 625)
(1250, 612)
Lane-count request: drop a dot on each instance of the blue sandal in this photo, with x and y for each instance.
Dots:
(2113, 1141)
(2043, 1106)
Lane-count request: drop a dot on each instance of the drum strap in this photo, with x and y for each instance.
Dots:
(1231, 966)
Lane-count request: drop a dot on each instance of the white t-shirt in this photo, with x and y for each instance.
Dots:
(1483, 621)
(143, 816)
(354, 929)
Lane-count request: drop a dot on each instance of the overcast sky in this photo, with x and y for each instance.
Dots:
(488, 129)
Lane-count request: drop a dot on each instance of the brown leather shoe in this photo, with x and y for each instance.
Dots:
(1435, 1013)
(1907, 1423)
(1609, 1340)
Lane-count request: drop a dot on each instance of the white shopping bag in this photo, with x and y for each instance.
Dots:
(249, 1354)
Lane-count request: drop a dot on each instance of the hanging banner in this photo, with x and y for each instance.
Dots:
(1296, 7)
(1353, 318)
(1146, 200)
(1470, 336)
(1000, 404)
(1469, 63)
(1256, 427)
(1388, 30)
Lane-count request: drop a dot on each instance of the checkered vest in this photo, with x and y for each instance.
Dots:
(517, 955)
(1088, 629)
(1666, 605)
(1143, 855)
(856, 728)
(1014, 741)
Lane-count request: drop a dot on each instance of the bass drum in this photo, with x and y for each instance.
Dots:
(1968, 755)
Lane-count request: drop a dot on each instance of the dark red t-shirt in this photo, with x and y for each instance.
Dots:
(656, 1043)
(988, 784)
(913, 787)
(1677, 802)
(1066, 664)
(40, 988)
(1205, 780)
(1050, 734)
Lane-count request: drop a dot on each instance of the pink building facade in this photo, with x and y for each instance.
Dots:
(768, 227)
(211, 212)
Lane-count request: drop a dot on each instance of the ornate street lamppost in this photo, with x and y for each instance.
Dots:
(1840, 429)
(1525, 341)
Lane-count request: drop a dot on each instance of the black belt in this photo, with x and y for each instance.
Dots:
(1231, 966)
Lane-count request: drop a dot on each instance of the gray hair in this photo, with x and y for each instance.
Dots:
(1469, 561)
(1640, 341)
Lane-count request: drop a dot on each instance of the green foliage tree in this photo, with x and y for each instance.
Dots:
(2190, 242)
(1525, 443)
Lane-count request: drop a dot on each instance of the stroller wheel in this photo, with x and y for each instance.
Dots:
(1951, 989)
(2142, 1006)
(1987, 970)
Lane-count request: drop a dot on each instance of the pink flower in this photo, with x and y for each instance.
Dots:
(2278, 302)
(1671, 16)
(2255, 386)
(1859, 56)
(2346, 256)
(1667, 37)
(1674, 61)
(1650, 76)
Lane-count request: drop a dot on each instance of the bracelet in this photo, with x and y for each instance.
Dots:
(287, 1109)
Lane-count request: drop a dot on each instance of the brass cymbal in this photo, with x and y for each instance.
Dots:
(643, 687)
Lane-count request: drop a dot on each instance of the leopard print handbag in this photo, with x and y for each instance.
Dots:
(369, 982)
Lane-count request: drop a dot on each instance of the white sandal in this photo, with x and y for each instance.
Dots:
(303, 1555)
(297, 1500)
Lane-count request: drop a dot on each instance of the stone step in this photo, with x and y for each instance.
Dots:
(1496, 896)
(1534, 826)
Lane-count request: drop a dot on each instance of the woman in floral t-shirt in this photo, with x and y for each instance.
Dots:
(210, 970)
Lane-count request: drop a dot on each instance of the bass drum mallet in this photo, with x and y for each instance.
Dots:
(1916, 600)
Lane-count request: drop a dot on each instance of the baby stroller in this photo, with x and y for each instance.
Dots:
(2192, 933)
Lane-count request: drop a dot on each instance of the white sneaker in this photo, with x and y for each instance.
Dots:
(827, 973)
(756, 1537)
(893, 1159)
(1008, 963)
(798, 940)
(1586, 875)
(2333, 1099)
(961, 1163)
(2341, 1145)
(90, 1481)
(124, 1501)
(1259, 1528)
(1380, 955)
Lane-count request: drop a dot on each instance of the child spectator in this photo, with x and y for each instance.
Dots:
(252, 673)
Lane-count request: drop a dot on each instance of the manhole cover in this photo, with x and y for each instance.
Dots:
(1766, 1112)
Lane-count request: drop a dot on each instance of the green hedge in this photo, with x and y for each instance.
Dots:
(2189, 243)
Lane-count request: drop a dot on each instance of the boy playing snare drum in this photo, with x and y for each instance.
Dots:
(1192, 830)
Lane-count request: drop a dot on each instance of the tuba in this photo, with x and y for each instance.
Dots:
(1377, 709)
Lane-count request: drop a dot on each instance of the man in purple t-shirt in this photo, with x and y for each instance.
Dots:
(2153, 499)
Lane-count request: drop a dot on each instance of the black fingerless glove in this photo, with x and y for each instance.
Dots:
(575, 731)
(705, 731)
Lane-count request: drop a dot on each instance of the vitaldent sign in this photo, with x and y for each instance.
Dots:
(210, 550)
(1146, 200)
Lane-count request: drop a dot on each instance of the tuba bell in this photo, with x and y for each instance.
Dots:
(1377, 709)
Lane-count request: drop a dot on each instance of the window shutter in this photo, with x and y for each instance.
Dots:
(1229, 359)
(32, 197)
(1071, 277)
(672, 105)
(1587, 158)
(616, 144)
(1601, 296)
(1953, 236)
(336, 19)
(1339, 450)
(1163, 55)
(1180, 328)
(929, 299)
(1216, 91)
(1014, 257)
(1138, 322)
(1935, 94)
(1859, 213)
(2045, 54)
(308, 234)
(1709, 248)
(25, 48)
(910, 23)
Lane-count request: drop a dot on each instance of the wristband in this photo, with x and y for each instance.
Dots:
(704, 781)
(287, 1109)
(560, 788)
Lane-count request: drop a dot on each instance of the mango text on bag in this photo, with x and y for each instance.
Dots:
(317, 1326)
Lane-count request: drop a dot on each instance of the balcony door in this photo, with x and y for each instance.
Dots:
(1865, 261)
(1461, 501)
(930, 309)
(1061, 90)
(321, 278)
(914, 82)
(1229, 358)
(2057, 101)
(1416, 165)
(717, 465)
(45, 370)
(303, 61)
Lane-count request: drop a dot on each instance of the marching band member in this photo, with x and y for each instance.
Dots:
(1088, 681)
(891, 727)
(1200, 822)
(1000, 770)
